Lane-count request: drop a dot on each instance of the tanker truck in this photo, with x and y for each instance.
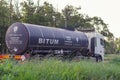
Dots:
(44, 40)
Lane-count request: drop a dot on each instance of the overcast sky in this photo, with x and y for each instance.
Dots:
(108, 10)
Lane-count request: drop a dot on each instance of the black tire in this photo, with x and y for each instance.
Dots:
(98, 58)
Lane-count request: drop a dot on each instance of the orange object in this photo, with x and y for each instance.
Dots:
(1, 57)
(6, 56)
(17, 57)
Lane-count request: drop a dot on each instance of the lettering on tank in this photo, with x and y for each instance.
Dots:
(68, 41)
(15, 38)
(48, 41)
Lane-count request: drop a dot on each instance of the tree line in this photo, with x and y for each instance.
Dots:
(29, 11)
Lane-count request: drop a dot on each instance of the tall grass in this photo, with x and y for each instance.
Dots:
(50, 69)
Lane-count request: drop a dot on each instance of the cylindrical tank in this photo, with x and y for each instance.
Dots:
(21, 37)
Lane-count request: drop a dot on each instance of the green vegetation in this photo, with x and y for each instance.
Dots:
(51, 69)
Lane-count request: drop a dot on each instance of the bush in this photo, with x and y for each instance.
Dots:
(50, 69)
(115, 60)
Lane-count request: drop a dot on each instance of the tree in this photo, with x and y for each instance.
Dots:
(16, 11)
(85, 22)
(28, 10)
(47, 11)
(101, 27)
(44, 15)
(117, 43)
(70, 15)
(4, 21)
(110, 47)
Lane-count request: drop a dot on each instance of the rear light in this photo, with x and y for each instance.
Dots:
(16, 57)
(4, 56)
(19, 57)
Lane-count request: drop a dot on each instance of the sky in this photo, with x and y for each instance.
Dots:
(108, 10)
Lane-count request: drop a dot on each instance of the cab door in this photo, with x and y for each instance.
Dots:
(99, 47)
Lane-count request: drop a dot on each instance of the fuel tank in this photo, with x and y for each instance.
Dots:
(21, 37)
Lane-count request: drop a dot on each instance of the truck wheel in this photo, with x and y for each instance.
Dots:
(98, 58)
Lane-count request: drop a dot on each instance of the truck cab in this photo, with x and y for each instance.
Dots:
(99, 47)
(96, 45)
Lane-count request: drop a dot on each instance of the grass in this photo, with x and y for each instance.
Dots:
(51, 69)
